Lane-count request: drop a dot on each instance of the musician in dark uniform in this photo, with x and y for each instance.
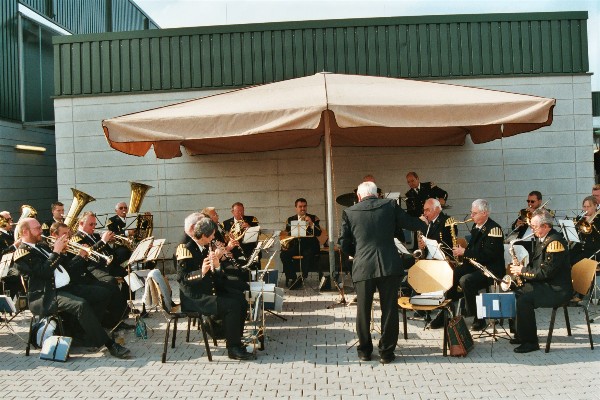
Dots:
(547, 280)
(367, 234)
(118, 224)
(521, 225)
(418, 193)
(588, 227)
(306, 247)
(244, 250)
(12, 281)
(85, 303)
(204, 288)
(58, 215)
(486, 246)
(85, 235)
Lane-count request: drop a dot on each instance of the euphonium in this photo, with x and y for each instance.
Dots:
(80, 199)
(75, 248)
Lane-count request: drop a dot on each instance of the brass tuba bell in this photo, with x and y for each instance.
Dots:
(27, 212)
(145, 223)
(80, 199)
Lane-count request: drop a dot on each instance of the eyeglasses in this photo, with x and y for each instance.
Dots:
(531, 201)
(122, 208)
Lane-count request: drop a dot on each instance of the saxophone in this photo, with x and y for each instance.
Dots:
(451, 222)
(418, 253)
(508, 279)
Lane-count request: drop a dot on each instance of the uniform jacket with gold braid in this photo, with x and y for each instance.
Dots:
(40, 270)
(117, 225)
(487, 247)
(550, 263)
(202, 290)
(441, 233)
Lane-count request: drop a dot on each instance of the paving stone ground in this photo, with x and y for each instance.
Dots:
(307, 356)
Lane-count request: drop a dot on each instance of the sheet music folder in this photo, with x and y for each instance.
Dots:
(298, 228)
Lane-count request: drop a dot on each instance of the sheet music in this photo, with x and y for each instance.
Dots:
(139, 253)
(400, 247)
(434, 250)
(568, 230)
(154, 251)
(5, 264)
(298, 228)
(393, 195)
(251, 234)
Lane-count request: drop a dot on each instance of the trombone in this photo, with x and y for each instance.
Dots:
(75, 248)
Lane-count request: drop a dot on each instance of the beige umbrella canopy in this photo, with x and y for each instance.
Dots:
(362, 111)
(347, 110)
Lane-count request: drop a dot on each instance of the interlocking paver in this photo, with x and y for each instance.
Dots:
(309, 357)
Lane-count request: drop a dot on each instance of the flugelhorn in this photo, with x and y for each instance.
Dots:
(75, 248)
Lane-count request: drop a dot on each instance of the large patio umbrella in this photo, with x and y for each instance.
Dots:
(345, 110)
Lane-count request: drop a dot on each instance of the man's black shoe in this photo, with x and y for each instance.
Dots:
(364, 357)
(239, 353)
(527, 348)
(116, 350)
(515, 341)
(438, 321)
(387, 359)
(478, 325)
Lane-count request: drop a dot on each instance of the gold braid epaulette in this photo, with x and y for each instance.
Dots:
(496, 232)
(254, 220)
(20, 253)
(183, 253)
(76, 239)
(555, 247)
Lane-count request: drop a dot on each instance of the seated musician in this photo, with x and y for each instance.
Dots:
(418, 193)
(79, 271)
(118, 224)
(521, 224)
(306, 247)
(12, 281)
(39, 262)
(229, 264)
(487, 248)
(546, 280)
(588, 228)
(238, 223)
(58, 215)
(438, 231)
(204, 288)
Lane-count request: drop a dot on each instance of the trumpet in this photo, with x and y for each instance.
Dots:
(75, 248)
(123, 241)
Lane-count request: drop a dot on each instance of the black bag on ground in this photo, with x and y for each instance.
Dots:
(459, 337)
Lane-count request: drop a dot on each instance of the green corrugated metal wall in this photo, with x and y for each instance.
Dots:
(9, 60)
(238, 55)
(78, 16)
(596, 104)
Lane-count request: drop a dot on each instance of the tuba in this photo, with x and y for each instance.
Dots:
(145, 223)
(27, 212)
(80, 199)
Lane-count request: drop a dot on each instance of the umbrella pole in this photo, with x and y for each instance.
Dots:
(329, 191)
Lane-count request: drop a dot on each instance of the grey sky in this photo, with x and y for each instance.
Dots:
(179, 13)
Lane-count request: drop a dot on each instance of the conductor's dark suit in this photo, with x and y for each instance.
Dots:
(368, 230)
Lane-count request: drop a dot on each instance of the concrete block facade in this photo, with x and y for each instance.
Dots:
(556, 160)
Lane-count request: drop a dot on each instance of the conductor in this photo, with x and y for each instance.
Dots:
(368, 230)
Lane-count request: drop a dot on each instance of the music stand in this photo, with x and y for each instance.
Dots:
(298, 230)
(569, 231)
(138, 254)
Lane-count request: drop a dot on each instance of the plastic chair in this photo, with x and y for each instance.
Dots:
(582, 275)
(424, 277)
